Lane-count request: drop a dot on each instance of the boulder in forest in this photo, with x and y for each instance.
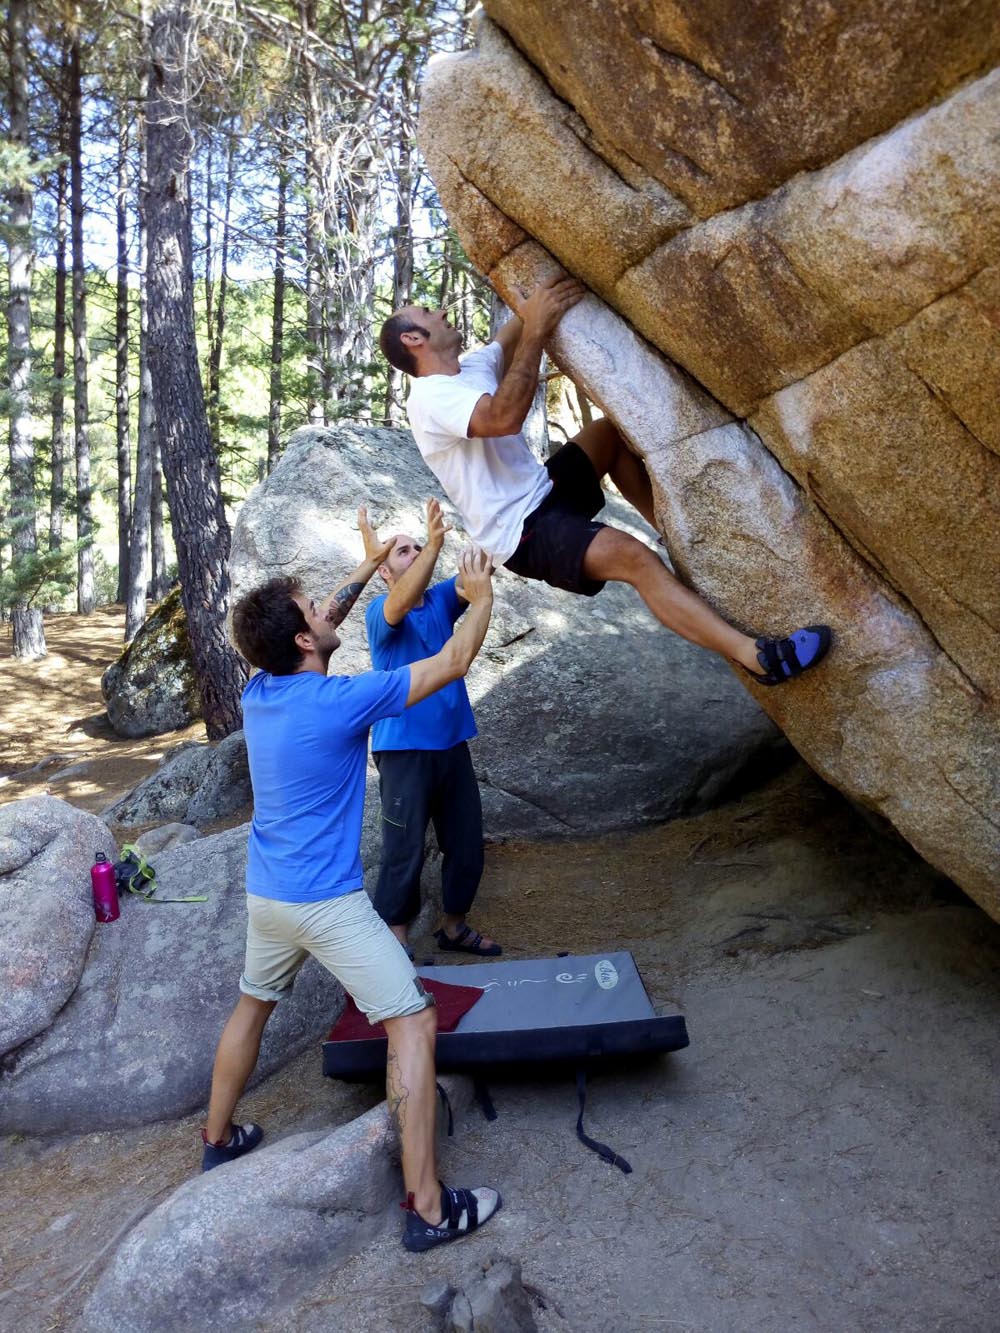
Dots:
(46, 910)
(195, 784)
(134, 1041)
(308, 1202)
(788, 217)
(152, 687)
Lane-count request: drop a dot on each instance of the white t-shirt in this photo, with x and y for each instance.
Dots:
(494, 482)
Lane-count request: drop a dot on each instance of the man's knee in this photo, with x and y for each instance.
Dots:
(412, 1028)
(619, 556)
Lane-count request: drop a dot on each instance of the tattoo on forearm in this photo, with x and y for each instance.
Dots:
(397, 1094)
(342, 601)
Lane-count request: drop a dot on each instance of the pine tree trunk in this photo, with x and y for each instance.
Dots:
(139, 531)
(124, 449)
(278, 315)
(217, 335)
(402, 246)
(81, 353)
(159, 583)
(28, 630)
(200, 527)
(57, 487)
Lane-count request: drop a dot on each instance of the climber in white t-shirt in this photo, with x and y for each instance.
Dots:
(537, 519)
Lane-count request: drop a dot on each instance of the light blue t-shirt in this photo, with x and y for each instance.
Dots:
(307, 743)
(444, 718)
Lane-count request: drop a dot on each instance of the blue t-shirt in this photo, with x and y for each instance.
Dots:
(307, 743)
(444, 718)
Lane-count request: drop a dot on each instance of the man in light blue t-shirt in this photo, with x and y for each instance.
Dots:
(307, 745)
(425, 769)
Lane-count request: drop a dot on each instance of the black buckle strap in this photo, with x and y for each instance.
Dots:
(602, 1149)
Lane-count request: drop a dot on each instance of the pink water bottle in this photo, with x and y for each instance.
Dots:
(102, 877)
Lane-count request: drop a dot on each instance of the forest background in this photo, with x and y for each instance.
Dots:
(208, 208)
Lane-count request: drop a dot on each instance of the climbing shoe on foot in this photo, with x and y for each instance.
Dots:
(462, 1211)
(242, 1139)
(784, 659)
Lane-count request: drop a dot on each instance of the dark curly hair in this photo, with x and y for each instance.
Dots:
(265, 623)
(393, 348)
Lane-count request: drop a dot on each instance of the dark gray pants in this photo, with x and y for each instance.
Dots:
(419, 787)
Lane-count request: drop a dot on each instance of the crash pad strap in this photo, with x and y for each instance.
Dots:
(602, 1149)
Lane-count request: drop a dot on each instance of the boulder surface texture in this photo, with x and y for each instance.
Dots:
(46, 910)
(591, 717)
(125, 1032)
(268, 1227)
(789, 220)
(152, 687)
(194, 785)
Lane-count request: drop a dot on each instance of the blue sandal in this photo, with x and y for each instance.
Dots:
(784, 659)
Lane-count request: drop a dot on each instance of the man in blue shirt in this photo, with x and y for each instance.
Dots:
(307, 744)
(425, 769)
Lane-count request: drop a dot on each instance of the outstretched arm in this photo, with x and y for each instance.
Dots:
(504, 412)
(407, 591)
(343, 597)
(455, 658)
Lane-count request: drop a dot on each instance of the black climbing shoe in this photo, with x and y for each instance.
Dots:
(242, 1139)
(462, 1211)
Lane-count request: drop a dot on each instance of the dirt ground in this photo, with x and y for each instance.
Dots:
(54, 731)
(823, 1155)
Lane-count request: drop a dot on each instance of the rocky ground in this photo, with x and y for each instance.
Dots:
(821, 1157)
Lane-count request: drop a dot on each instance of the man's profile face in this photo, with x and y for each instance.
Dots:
(439, 335)
(404, 551)
(326, 637)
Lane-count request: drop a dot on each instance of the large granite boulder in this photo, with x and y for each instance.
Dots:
(307, 1202)
(46, 910)
(152, 687)
(790, 219)
(195, 784)
(591, 717)
(134, 1041)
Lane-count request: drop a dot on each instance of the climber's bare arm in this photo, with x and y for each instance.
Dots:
(508, 336)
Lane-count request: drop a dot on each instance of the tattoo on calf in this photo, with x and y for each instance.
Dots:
(342, 601)
(396, 1093)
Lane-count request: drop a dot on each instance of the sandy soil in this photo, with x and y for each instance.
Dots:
(55, 738)
(822, 1156)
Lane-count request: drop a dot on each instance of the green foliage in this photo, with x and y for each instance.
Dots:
(42, 577)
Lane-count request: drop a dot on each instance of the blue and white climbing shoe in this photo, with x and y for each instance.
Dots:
(462, 1211)
(784, 659)
(242, 1139)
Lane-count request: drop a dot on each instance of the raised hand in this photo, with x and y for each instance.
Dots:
(375, 550)
(550, 300)
(475, 575)
(436, 526)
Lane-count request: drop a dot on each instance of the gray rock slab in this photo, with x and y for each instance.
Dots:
(245, 1240)
(591, 717)
(46, 909)
(156, 840)
(493, 1300)
(194, 785)
(134, 1042)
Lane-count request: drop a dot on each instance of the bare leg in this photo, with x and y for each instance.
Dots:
(615, 555)
(410, 1092)
(611, 456)
(235, 1059)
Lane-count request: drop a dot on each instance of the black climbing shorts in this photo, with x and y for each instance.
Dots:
(556, 535)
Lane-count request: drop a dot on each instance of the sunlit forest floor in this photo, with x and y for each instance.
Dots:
(820, 1157)
(54, 731)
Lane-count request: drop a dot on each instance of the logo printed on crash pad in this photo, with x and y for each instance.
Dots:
(606, 974)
